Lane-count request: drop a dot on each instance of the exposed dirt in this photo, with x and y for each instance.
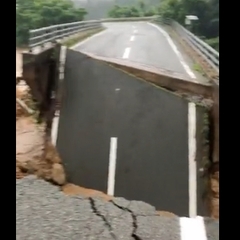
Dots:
(30, 155)
(214, 191)
(71, 189)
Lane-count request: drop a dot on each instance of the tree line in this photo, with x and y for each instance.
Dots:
(32, 14)
(207, 11)
(139, 10)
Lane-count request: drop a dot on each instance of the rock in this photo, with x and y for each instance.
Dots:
(166, 214)
(52, 154)
(58, 174)
(215, 187)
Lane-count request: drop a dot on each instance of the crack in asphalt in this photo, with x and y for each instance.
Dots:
(134, 222)
(108, 225)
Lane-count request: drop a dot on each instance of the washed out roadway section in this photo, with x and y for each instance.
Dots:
(44, 212)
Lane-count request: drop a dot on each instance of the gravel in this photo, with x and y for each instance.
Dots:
(43, 212)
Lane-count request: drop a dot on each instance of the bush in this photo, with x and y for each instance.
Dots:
(214, 43)
(141, 10)
(32, 14)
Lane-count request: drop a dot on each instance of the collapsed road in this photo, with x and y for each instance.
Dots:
(44, 212)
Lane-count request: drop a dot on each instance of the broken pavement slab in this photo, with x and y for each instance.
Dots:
(43, 211)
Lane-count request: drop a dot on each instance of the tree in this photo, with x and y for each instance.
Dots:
(132, 11)
(151, 12)
(142, 7)
(122, 12)
(31, 14)
(207, 11)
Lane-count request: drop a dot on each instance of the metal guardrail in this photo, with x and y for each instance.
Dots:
(40, 36)
(210, 54)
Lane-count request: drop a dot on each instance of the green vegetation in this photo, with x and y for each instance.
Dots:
(207, 11)
(81, 36)
(31, 14)
(213, 42)
(198, 68)
(140, 10)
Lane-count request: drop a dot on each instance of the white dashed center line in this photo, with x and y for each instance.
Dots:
(126, 53)
(132, 38)
(135, 31)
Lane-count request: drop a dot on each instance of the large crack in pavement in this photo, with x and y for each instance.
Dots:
(44, 212)
(119, 214)
(134, 219)
(107, 224)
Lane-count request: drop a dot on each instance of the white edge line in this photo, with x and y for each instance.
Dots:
(126, 53)
(175, 49)
(112, 166)
(192, 228)
(54, 131)
(89, 38)
(192, 165)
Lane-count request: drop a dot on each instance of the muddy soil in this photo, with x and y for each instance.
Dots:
(214, 193)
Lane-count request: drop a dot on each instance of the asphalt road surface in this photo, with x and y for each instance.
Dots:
(43, 212)
(140, 42)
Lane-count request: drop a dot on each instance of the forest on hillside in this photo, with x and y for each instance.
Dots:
(32, 14)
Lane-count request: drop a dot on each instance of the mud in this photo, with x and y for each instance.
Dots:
(33, 155)
(214, 191)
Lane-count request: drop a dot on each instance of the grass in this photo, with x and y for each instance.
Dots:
(81, 36)
(198, 68)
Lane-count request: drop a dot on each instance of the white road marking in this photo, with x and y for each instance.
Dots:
(54, 133)
(135, 31)
(126, 53)
(133, 26)
(192, 228)
(192, 165)
(112, 166)
(173, 46)
(117, 89)
(88, 39)
(132, 38)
